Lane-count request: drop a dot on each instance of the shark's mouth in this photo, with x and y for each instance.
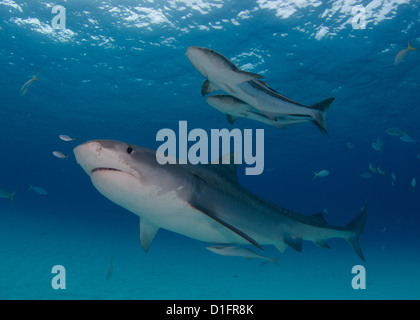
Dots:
(104, 169)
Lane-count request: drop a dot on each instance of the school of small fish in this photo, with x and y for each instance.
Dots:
(38, 189)
(378, 145)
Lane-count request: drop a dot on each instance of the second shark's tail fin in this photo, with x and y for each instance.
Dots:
(319, 117)
(355, 228)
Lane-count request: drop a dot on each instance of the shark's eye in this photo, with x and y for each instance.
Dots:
(130, 150)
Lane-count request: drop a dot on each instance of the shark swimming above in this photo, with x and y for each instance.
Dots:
(203, 202)
(222, 74)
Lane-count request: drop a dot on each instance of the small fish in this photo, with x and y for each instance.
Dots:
(407, 138)
(401, 55)
(380, 171)
(394, 131)
(39, 190)
(350, 145)
(418, 156)
(366, 175)
(372, 168)
(7, 195)
(376, 146)
(27, 84)
(110, 271)
(60, 155)
(413, 183)
(383, 229)
(321, 174)
(393, 177)
(65, 137)
(240, 252)
(379, 142)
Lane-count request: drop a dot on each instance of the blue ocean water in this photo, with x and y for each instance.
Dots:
(119, 71)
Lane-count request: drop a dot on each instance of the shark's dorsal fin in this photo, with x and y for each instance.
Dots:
(207, 88)
(147, 233)
(208, 212)
(226, 166)
(319, 217)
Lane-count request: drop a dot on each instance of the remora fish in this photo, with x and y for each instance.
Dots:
(222, 74)
(204, 202)
(240, 252)
(235, 108)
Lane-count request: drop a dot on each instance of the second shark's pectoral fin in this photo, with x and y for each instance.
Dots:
(214, 216)
(231, 118)
(207, 88)
(147, 233)
(242, 76)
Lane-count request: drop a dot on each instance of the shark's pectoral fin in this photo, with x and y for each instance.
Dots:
(147, 233)
(231, 118)
(295, 243)
(214, 216)
(207, 88)
(242, 76)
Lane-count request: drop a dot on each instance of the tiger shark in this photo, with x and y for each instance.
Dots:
(203, 202)
(223, 74)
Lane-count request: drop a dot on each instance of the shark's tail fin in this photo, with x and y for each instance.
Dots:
(319, 116)
(410, 47)
(355, 228)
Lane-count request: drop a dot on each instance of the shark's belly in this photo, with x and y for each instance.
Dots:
(177, 216)
(166, 210)
(266, 103)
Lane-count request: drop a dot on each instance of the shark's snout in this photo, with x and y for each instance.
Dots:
(90, 156)
(197, 57)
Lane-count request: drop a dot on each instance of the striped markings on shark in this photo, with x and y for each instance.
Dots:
(207, 147)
